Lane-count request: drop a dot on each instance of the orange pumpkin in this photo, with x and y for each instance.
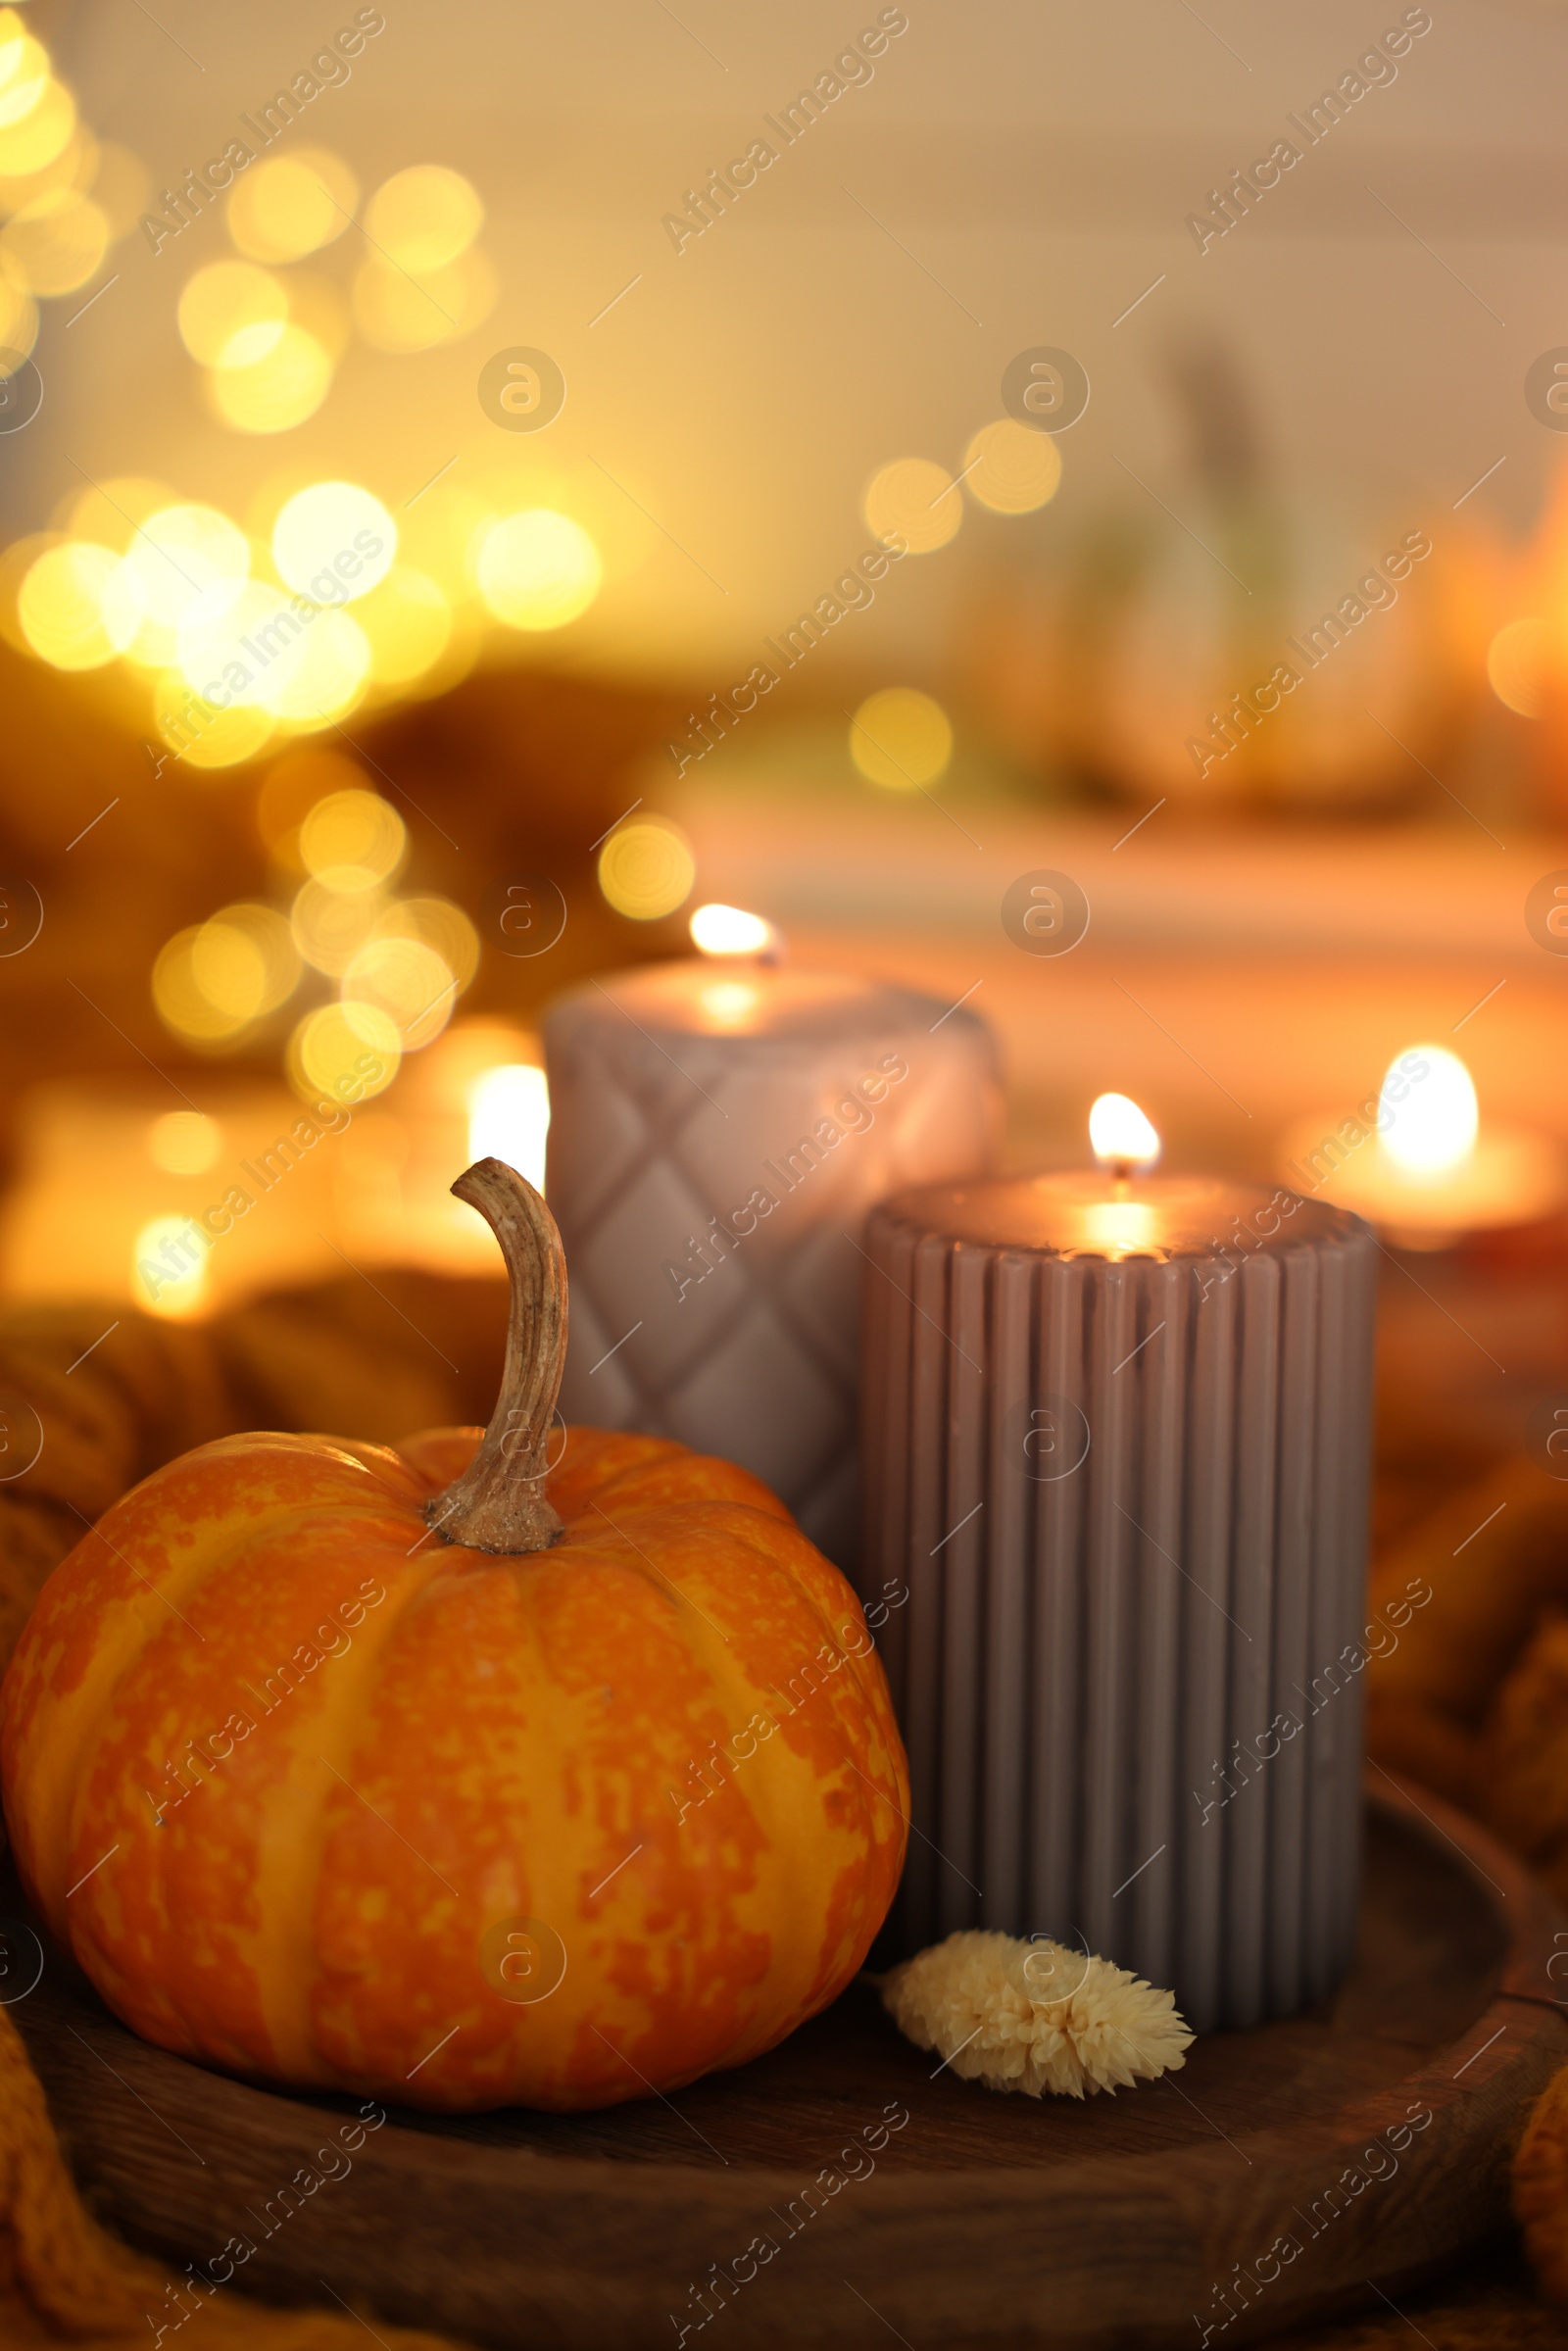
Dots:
(554, 1787)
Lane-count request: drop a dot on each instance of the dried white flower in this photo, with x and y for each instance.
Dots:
(1033, 2016)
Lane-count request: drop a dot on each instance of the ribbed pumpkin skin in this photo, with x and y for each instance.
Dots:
(496, 1739)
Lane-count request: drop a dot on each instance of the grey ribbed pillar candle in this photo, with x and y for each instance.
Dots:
(719, 1129)
(1118, 1451)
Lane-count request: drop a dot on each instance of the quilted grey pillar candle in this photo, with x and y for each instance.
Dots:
(1118, 1449)
(719, 1129)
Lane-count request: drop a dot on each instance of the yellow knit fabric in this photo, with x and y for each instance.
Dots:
(64, 2280)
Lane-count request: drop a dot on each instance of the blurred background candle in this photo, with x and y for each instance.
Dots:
(1417, 1162)
(114, 1181)
(719, 1129)
(1117, 1435)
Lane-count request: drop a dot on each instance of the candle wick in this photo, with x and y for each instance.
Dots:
(1121, 1171)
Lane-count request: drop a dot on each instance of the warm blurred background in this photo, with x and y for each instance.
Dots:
(425, 432)
(521, 640)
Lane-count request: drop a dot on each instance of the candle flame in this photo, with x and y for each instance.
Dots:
(730, 931)
(1120, 1135)
(1428, 1115)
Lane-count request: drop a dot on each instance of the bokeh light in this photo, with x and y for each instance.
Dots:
(244, 962)
(900, 738)
(352, 841)
(333, 1059)
(1518, 666)
(1010, 468)
(114, 508)
(918, 500)
(407, 981)
(330, 926)
(198, 733)
(77, 606)
(19, 316)
(508, 1118)
(289, 205)
(440, 925)
(57, 242)
(235, 649)
(321, 309)
(169, 1267)
(305, 665)
(334, 542)
(537, 570)
(647, 868)
(37, 136)
(424, 217)
(232, 313)
(408, 623)
(183, 1005)
(324, 673)
(189, 564)
(291, 788)
(211, 981)
(280, 390)
(122, 186)
(184, 1142)
(24, 70)
(394, 310)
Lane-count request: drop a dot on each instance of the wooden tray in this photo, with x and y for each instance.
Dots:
(980, 2220)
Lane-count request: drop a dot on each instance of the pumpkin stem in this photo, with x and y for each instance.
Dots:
(499, 1504)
